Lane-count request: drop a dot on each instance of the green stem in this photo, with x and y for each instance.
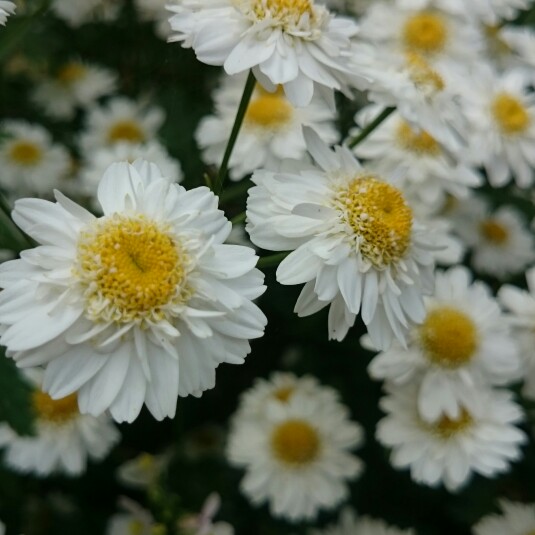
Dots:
(240, 218)
(365, 132)
(272, 260)
(235, 191)
(240, 114)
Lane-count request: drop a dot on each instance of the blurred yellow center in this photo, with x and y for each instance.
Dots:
(448, 337)
(494, 231)
(510, 114)
(269, 110)
(295, 442)
(25, 153)
(283, 9)
(56, 411)
(417, 141)
(448, 427)
(131, 268)
(423, 75)
(70, 73)
(284, 393)
(379, 217)
(127, 130)
(425, 32)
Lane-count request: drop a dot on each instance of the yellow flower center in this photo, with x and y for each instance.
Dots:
(423, 75)
(510, 114)
(130, 268)
(448, 337)
(269, 110)
(425, 33)
(417, 141)
(289, 11)
(127, 130)
(25, 153)
(57, 411)
(379, 217)
(447, 428)
(494, 232)
(284, 393)
(71, 73)
(295, 442)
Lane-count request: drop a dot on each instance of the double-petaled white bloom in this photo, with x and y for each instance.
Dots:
(138, 306)
(296, 454)
(120, 120)
(31, 163)
(78, 13)
(464, 343)
(74, 85)
(64, 439)
(349, 524)
(483, 439)
(295, 43)
(354, 241)
(6, 9)
(516, 519)
(271, 131)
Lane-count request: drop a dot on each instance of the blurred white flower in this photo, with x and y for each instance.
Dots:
(143, 470)
(516, 519)
(155, 10)
(76, 13)
(6, 9)
(202, 524)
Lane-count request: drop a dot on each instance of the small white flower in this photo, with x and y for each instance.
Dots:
(354, 242)
(202, 524)
(517, 519)
(74, 85)
(349, 524)
(500, 242)
(120, 120)
(115, 306)
(298, 44)
(142, 471)
(463, 342)
(483, 440)
(64, 439)
(76, 13)
(31, 162)
(6, 9)
(135, 520)
(297, 456)
(271, 131)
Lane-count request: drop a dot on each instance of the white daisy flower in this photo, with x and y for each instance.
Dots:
(120, 120)
(463, 342)
(517, 519)
(483, 440)
(354, 242)
(500, 242)
(155, 10)
(513, 46)
(431, 172)
(297, 456)
(74, 85)
(78, 13)
(349, 524)
(271, 131)
(31, 163)
(295, 43)
(6, 9)
(64, 439)
(115, 306)
(521, 307)
(501, 111)
(143, 470)
(97, 162)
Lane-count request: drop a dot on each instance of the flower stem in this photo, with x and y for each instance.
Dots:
(240, 218)
(240, 114)
(272, 260)
(235, 191)
(365, 132)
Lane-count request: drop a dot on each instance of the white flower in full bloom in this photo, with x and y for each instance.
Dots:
(155, 10)
(271, 131)
(120, 120)
(138, 306)
(521, 307)
(31, 163)
(501, 243)
(349, 524)
(297, 455)
(483, 440)
(295, 43)
(500, 108)
(64, 439)
(464, 342)
(430, 172)
(6, 9)
(74, 85)
(516, 519)
(76, 13)
(354, 241)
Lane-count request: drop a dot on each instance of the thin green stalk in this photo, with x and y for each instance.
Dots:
(365, 132)
(272, 260)
(240, 218)
(235, 191)
(240, 114)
